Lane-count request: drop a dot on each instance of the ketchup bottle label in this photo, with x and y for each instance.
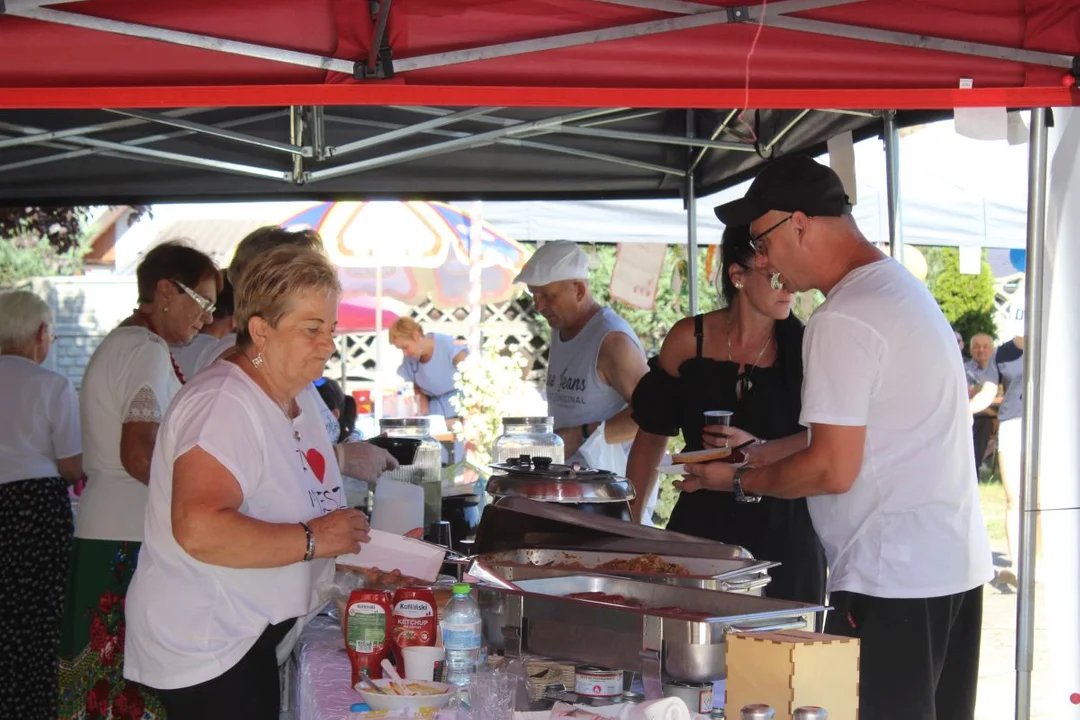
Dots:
(366, 628)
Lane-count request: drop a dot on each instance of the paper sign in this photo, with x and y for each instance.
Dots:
(389, 552)
(980, 123)
(842, 161)
(970, 260)
(636, 274)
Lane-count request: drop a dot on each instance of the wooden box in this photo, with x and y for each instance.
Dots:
(792, 669)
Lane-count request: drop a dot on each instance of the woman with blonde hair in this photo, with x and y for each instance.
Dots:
(127, 387)
(42, 451)
(430, 364)
(246, 512)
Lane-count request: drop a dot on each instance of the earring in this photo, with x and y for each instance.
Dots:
(738, 286)
(165, 309)
(258, 361)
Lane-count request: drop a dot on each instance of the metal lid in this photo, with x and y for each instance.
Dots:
(417, 423)
(540, 420)
(557, 483)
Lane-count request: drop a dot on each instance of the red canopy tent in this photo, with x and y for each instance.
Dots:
(554, 53)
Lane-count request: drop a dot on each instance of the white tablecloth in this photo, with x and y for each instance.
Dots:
(323, 673)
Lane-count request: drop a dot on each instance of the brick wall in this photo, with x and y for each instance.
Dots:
(87, 308)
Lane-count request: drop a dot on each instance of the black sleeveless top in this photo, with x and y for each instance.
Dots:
(769, 408)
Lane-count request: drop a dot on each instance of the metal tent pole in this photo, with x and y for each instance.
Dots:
(1029, 474)
(691, 224)
(891, 136)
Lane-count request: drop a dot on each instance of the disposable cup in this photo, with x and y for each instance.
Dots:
(420, 661)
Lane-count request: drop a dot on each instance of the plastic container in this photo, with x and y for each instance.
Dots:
(426, 468)
(399, 507)
(533, 436)
(461, 635)
(413, 622)
(366, 625)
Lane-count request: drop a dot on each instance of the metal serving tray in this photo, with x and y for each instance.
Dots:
(729, 574)
(539, 618)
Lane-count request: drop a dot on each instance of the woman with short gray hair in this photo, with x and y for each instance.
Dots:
(41, 447)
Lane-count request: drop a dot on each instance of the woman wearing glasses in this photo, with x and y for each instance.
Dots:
(747, 359)
(127, 387)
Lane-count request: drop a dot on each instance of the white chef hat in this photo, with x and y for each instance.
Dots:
(555, 261)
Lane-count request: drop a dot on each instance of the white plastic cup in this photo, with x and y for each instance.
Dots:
(399, 507)
(420, 661)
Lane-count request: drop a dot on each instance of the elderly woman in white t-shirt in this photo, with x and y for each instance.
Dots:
(42, 452)
(126, 389)
(246, 508)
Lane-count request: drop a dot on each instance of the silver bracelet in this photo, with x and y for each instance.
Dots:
(310, 553)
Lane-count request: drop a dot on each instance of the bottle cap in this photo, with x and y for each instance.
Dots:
(462, 588)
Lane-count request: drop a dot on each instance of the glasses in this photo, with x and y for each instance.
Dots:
(207, 306)
(755, 240)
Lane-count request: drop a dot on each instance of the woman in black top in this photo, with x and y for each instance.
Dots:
(746, 358)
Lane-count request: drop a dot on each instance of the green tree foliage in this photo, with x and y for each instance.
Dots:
(672, 297)
(966, 300)
(38, 241)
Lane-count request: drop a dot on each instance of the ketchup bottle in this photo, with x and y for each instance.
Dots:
(367, 640)
(414, 621)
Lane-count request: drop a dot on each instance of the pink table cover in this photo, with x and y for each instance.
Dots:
(323, 673)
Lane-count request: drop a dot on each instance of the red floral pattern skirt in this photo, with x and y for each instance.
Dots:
(92, 684)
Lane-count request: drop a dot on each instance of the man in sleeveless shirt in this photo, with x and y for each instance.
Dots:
(595, 361)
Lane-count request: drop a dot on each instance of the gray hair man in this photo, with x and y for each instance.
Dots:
(595, 361)
(887, 471)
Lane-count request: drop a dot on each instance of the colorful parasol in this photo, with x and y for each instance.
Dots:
(422, 249)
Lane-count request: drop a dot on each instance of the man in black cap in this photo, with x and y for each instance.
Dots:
(887, 471)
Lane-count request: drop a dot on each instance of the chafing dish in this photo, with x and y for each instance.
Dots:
(730, 574)
(519, 522)
(678, 632)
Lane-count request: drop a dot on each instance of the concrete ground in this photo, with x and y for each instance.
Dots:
(997, 666)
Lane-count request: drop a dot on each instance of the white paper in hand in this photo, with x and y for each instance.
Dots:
(389, 552)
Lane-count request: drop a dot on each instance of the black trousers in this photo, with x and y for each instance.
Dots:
(250, 689)
(982, 430)
(919, 657)
(35, 544)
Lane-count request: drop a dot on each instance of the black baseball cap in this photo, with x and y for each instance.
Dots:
(790, 183)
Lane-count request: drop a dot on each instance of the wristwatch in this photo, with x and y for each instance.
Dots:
(741, 495)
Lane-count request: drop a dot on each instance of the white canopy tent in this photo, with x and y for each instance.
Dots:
(956, 191)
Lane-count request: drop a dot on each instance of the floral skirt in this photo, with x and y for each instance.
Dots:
(92, 683)
(35, 544)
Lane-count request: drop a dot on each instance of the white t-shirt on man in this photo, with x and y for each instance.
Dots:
(39, 420)
(189, 621)
(130, 378)
(878, 353)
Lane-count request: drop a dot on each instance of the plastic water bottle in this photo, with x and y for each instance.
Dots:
(461, 635)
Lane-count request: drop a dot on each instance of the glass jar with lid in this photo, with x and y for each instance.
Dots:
(533, 436)
(426, 467)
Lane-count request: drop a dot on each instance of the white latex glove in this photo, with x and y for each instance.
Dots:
(364, 461)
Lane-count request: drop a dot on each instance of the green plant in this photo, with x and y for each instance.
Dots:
(966, 300)
(489, 382)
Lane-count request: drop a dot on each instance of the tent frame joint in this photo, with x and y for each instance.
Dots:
(738, 14)
(381, 65)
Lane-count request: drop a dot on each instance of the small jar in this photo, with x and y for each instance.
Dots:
(533, 436)
(426, 467)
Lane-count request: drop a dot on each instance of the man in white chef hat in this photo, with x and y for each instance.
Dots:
(595, 361)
